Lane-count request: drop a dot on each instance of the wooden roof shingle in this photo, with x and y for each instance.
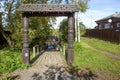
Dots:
(116, 15)
(48, 8)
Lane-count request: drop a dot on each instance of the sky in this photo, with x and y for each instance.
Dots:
(98, 9)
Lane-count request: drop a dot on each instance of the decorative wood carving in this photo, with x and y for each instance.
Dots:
(71, 26)
(25, 50)
(48, 8)
(29, 10)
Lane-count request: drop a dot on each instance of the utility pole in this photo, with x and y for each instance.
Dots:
(77, 29)
(76, 38)
(91, 20)
(76, 32)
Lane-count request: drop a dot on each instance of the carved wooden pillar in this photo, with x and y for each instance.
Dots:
(71, 26)
(25, 50)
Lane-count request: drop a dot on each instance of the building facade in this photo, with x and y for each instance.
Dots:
(112, 21)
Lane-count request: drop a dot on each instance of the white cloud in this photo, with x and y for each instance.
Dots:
(91, 16)
(99, 9)
(88, 18)
(58, 20)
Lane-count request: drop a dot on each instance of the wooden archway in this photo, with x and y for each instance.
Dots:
(29, 10)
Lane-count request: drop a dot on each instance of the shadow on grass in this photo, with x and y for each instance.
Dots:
(68, 73)
(81, 74)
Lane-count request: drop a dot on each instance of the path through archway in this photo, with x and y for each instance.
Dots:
(41, 10)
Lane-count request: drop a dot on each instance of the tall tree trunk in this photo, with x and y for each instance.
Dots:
(7, 38)
(3, 32)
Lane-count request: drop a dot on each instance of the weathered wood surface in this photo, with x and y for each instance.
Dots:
(25, 50)
(48, 65)
(51, 66)
(71, 24)
(50, 58)
(112, 34)
(30, 10)
(48, 8)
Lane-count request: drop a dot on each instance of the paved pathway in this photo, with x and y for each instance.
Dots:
(49, 66)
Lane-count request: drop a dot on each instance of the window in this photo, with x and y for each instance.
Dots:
(100, 27)
(118, 24)
(107, 25)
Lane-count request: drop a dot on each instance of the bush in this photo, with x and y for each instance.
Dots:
(10, 60)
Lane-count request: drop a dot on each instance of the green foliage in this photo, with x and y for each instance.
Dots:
(82, 27)
(10, 60)
(39, 27)
(83, 5)
(64, 30)
(17, 32)
(39, 30)
(85, 57)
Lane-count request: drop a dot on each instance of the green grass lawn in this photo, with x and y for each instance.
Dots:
(85, 57)
(103, 45)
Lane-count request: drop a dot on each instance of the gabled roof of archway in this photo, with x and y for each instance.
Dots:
(48, 8)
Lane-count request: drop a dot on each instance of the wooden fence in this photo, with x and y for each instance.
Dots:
(104, 34)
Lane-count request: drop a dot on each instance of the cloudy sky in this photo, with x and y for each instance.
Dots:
(98, 9)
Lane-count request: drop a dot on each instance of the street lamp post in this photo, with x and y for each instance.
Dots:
(110, 21)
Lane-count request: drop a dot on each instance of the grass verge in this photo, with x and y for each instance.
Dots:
(10, 60)
(102, 45)
(85, 57)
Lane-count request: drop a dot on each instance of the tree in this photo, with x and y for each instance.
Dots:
(83, 5)
(9, 8)
(12, 22)
(6, 37)
(39, 30)
(39, 27)
(82, 27)
(63, 30)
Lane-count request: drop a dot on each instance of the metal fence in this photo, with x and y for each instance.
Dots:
(104, 34)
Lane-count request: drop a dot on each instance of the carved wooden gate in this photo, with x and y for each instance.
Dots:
(30, 10)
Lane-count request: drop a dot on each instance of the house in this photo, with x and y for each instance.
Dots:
(107, 28)
(112, 21)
